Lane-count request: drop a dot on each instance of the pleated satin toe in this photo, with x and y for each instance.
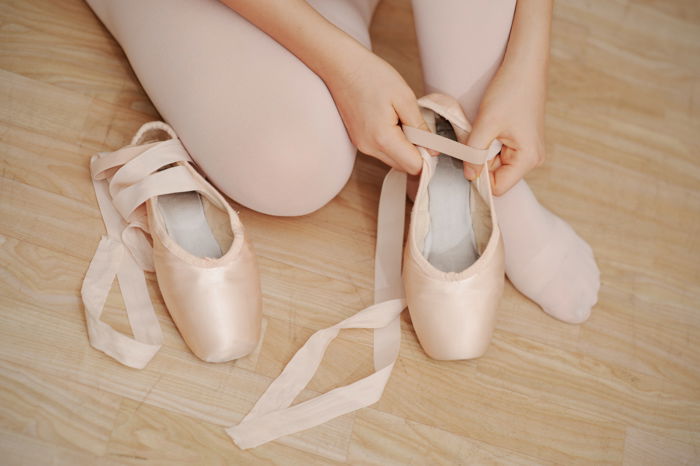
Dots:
(214, 298)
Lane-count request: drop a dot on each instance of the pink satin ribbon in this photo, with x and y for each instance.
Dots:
(272, 416)
(123, 181)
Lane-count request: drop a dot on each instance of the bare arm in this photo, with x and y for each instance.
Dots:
(317, 42)
(371, 96)
(528, 45)
(512, 109)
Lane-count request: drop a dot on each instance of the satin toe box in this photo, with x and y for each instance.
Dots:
(216, 306)
(454, 318)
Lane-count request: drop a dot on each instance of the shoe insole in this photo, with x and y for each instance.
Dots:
(450, 245)
(186, 222)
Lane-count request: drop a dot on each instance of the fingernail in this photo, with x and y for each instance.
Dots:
(469, 173)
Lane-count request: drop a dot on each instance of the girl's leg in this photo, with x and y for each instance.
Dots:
(260, 124)
(462, 43)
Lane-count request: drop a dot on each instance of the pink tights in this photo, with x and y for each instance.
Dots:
(259, 123)
(265, 129)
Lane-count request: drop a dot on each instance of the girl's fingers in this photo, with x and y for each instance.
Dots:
(387, 160)
(409, 114)
(395, 145)
(471, 171)
(514, 165)
(481, 137)
(495, 162)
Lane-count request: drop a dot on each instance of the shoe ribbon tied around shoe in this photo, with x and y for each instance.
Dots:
(273, 416)
(123, 181)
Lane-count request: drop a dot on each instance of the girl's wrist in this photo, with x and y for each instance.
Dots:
(323, 47)
(339, 60)
(527, 52)
(526, 67)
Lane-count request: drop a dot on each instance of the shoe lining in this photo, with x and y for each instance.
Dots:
(450, 243)
(190, 226)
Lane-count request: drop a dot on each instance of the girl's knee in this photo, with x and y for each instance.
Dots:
(290, 165)
(309, 177)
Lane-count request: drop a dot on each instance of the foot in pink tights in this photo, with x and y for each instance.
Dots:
(545, 259)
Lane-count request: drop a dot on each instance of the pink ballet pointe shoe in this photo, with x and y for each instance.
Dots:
(453, 270)
(210, 284)
(451, 281)
(452, 276)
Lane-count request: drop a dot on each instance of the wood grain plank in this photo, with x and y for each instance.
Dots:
(146, 433)
(623, 114)
(644, 448)
(381, 438)
(56, 410)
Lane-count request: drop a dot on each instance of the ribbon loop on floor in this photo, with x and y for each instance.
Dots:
(125, 252)
(272, 416)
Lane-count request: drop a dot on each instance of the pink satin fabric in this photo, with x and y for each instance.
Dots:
(216, 303)
(453, 313)
(273, 416)
(225, 103)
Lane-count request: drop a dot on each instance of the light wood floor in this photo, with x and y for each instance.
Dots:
(624, 388)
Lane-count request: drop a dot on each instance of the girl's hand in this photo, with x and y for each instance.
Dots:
(511, 111)
(370, 94)
(373, 99)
